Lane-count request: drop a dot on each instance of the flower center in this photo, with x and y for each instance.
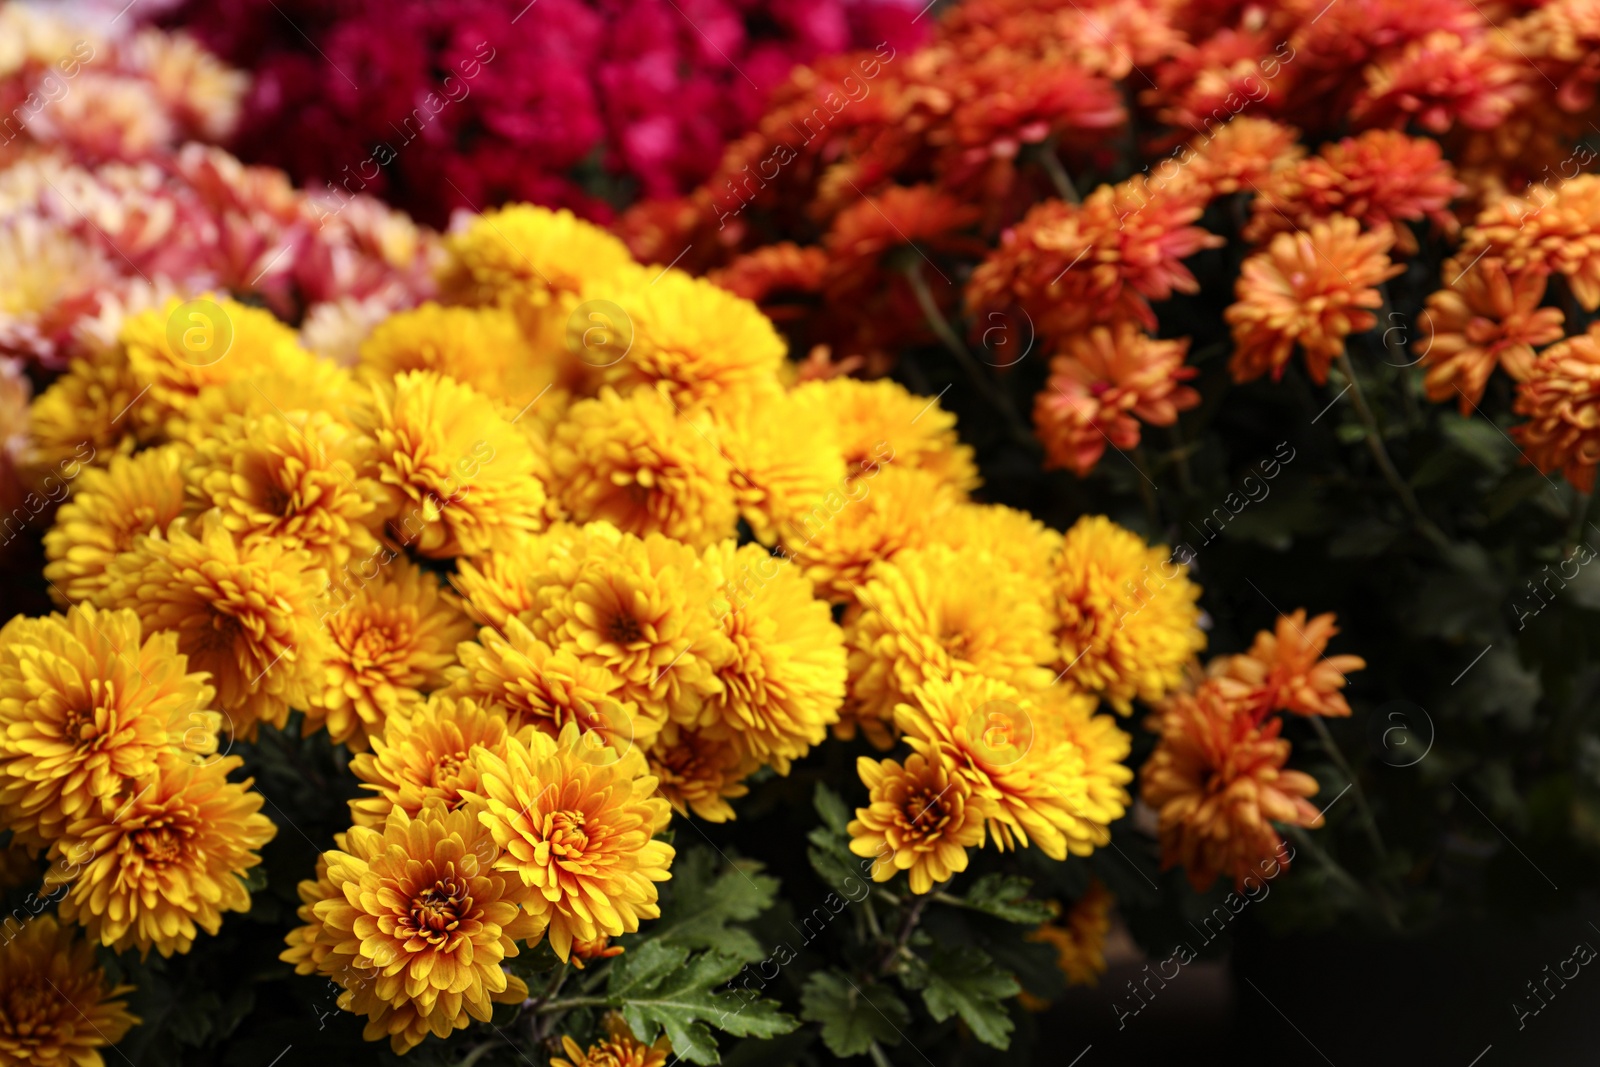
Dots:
(437, 910)
(624, 629)
(924, 813)
(159, 844)
(564, 831)
(222, 635)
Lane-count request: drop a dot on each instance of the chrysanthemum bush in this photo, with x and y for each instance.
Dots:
(508, 646)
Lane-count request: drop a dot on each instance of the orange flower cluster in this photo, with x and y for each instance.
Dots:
(1217, 778)
(883, 195)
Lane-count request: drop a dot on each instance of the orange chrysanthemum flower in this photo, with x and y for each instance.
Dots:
(923, 218)
(1079, 937)
(1310, 289)
(1289, 670)
(1552, 226)
(86, 705)
(1075, 265)
(773, 276)
(697, 772)
(619, 1049)
(575, 822)
(503, 585)
(535, 685)
(1382, 178)
(247, 615)
(58, 1008)
(164, 859)
(1487, 317)
(1441, 80)
(389, 643)
(414, 922)
(1101, 385)
(1217, 781)
(425, 756)
(1561, 397)
(1241, 155)
(924, 815)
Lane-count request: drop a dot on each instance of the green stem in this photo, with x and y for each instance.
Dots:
(1330, 746)
(878, 1057)
(477, 1053)
(571, 1004)
(1180, 459)
(1342, 876)
(1391, 474)
(1058, 174)
(974, 371)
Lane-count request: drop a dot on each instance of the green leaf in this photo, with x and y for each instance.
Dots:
(1006, 897)
(663, 988)
(1480, 439)
(835, 816)
(704, 901)
(965, 981)
(852, 1018)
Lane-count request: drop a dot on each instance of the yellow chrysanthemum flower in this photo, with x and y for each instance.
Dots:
(504, 585)
(700, 773)
(424, 756)
(1127, 612)
(920, 818)
(176, 351)
(414, 923)
(86, 703)
(784, 682)
(575, 822)
(109, 508)
(59, 1007)
(483, 347)
(881, 420)
(995, 737)
(932, 613)
(165, 859)
(390, 640)
(783, 461)
(534, 685)
(1020, 543)
(697, 340)
(864, 522)
(1079, 937)
(322, 386)
(641, 465)
(522, 248)
(1098, 793)
(459, 478)
(619, 1049)
(642, 609)
(289, 478)
(249, 616)
(82, 418)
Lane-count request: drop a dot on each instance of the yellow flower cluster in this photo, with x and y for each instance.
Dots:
(499, 557)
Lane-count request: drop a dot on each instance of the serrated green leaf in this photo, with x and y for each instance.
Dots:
(680, 998)
(852, 1018)
(1006, 897)
(965, 981)
(703, 902)
(643, 966)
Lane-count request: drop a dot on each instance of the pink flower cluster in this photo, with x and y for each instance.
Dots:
(440, 104)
